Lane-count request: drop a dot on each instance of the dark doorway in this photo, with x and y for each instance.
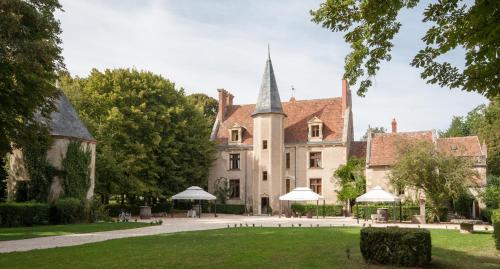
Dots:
(264, 204)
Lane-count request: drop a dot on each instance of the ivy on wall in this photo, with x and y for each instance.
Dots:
(76, 166)
(39, 169)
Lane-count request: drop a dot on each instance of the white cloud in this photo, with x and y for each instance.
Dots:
(205, 45)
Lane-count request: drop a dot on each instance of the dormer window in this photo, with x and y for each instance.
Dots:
(235, 133)
(315, 130)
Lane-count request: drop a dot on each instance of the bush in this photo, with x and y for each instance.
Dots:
(67, 210)
(328, 210)
(495, 218)
(407, 211)
(396, 246)
(98, 212)
(23, 214)
(230, 209)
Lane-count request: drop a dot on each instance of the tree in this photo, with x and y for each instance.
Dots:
(376, 130)
(151, 141)
(30, 59)
(465, 126)
(491, 195)
(351, 180)
(206, 104)
(370, 27)
(439, 176)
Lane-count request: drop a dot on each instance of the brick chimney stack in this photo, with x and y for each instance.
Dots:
(223, 100)
(230, 98)
(394, 124)
(346, 95)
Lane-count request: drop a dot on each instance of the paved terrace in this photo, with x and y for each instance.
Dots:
(207, 222)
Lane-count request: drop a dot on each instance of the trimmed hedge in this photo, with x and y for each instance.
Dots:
(495, 218)
(396, 246)
(407, 211)
(328, 210)
(230, 209)
(23, 214)
(67, 210)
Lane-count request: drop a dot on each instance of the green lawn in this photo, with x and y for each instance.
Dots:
(250, 248)
(50, 230)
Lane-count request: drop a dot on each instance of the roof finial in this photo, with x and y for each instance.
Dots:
(268, 52)
(293, 91)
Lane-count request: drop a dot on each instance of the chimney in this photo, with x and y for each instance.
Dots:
(345, 95)
(229, 99)
(223, 98)
(394, 125)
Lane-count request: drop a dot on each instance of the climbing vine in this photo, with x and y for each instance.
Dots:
(76, 166)
(39, 169)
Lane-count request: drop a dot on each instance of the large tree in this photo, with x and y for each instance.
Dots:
(206, 104)
(454, 26)
(151, 140)
(440, 176)
(30, 59)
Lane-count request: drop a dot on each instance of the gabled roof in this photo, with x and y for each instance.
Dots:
(296, 128)
(383, 147)
(64, 121)
(467, 146)
(269, 97)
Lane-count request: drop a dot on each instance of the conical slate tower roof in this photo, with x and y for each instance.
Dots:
(64, 121)
(269, 97)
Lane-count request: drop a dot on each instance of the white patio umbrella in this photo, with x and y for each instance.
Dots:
(377, 195)
(194, 193)
(302, 194)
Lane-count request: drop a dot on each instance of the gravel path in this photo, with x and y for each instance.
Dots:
(207, 222)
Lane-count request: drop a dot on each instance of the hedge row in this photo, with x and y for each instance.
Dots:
(396, 246)
(23, 214)
(495, 218)
(64, 211)
(230, 209)
(327, 210)
(406, 211)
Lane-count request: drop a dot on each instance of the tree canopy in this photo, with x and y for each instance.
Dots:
(351, 180)
(375, 130)
(30, 59)
(456, 26)
(151, 140)
(440, 176)
(206, 104)
(483, 121)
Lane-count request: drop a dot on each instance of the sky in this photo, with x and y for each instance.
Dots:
(205, 45)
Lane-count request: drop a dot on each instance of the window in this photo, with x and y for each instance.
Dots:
(234, 135)
(401, 191)
(264, 175)
(234, 188)
(234, 161)
(315, 131)
(264, 144)
(287, 160)
(287, 185)
(315, 159)
(315, 185)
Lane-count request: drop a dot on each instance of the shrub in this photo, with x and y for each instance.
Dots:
(495, 218)
(230, 209)
(328, 210)
(407, 211)
(67, 210)
(23, 214)
(98, 212)
(396, 246)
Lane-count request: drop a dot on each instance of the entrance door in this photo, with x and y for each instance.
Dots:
(264, 204)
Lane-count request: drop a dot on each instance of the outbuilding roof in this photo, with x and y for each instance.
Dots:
(64, 121)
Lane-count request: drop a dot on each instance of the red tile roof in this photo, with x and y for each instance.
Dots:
(358, 149)
(468, 146)
(383, 149)
(298, 113)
